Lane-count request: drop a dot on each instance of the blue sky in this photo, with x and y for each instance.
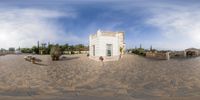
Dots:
(164, 24)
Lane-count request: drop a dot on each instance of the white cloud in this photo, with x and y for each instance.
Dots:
(179, 25)
(24, 27)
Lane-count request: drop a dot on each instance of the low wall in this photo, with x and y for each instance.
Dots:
(6, 52)
(182, 54)
(76, 52)
(178, 54)
(162, 56)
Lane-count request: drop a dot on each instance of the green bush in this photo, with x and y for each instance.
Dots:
(139, 51)
(72, 52)
(26, 50)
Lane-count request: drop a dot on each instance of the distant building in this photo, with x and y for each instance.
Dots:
(11, 50)
(192, 52)
(3, 51)
(109, 45)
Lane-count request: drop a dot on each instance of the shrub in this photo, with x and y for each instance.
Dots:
(72, 52)
(139, 51)
(55, 52)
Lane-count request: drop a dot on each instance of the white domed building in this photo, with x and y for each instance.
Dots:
(109, 45)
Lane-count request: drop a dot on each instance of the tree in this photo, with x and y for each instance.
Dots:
(140, 45)
(62, 48)
(79, 47)
(139, 51)
(151, 48)
(38, 47)
(43, 45)
(66, 46)
(71, 48)
(34, 49)
(26, 50)
(48, 49)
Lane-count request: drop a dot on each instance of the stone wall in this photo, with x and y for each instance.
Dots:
(76, 52)
(162, 56)
(6, 52)
(186, 53)
(178, 54)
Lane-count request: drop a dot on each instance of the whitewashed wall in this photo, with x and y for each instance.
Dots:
(100, 45)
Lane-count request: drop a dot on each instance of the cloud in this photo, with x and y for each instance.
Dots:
(24, 27)
(165, 25)
(179, 26)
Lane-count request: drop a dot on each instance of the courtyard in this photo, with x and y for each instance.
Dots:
(133, 77)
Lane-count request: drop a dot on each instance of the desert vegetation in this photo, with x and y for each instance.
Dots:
(43, 49)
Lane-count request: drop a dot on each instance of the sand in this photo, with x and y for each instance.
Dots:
(133, 77)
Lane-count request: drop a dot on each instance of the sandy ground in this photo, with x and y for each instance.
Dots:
(80, 78)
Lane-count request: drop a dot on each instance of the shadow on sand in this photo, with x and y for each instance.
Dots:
(37, 62)
(41, 64)
(64, 58)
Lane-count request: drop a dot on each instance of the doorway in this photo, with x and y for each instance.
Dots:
(93, 48)
(109, 49)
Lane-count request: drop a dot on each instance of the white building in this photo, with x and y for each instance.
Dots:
(109, 45)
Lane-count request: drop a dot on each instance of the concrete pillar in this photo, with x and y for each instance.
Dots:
(167, 56)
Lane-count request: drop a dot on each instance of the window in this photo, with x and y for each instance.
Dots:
(109, 49)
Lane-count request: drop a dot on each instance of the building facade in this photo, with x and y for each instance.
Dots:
(109, 45)
(192, 52)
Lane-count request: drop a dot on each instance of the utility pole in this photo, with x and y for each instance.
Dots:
(38, 45)
(151, 48)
